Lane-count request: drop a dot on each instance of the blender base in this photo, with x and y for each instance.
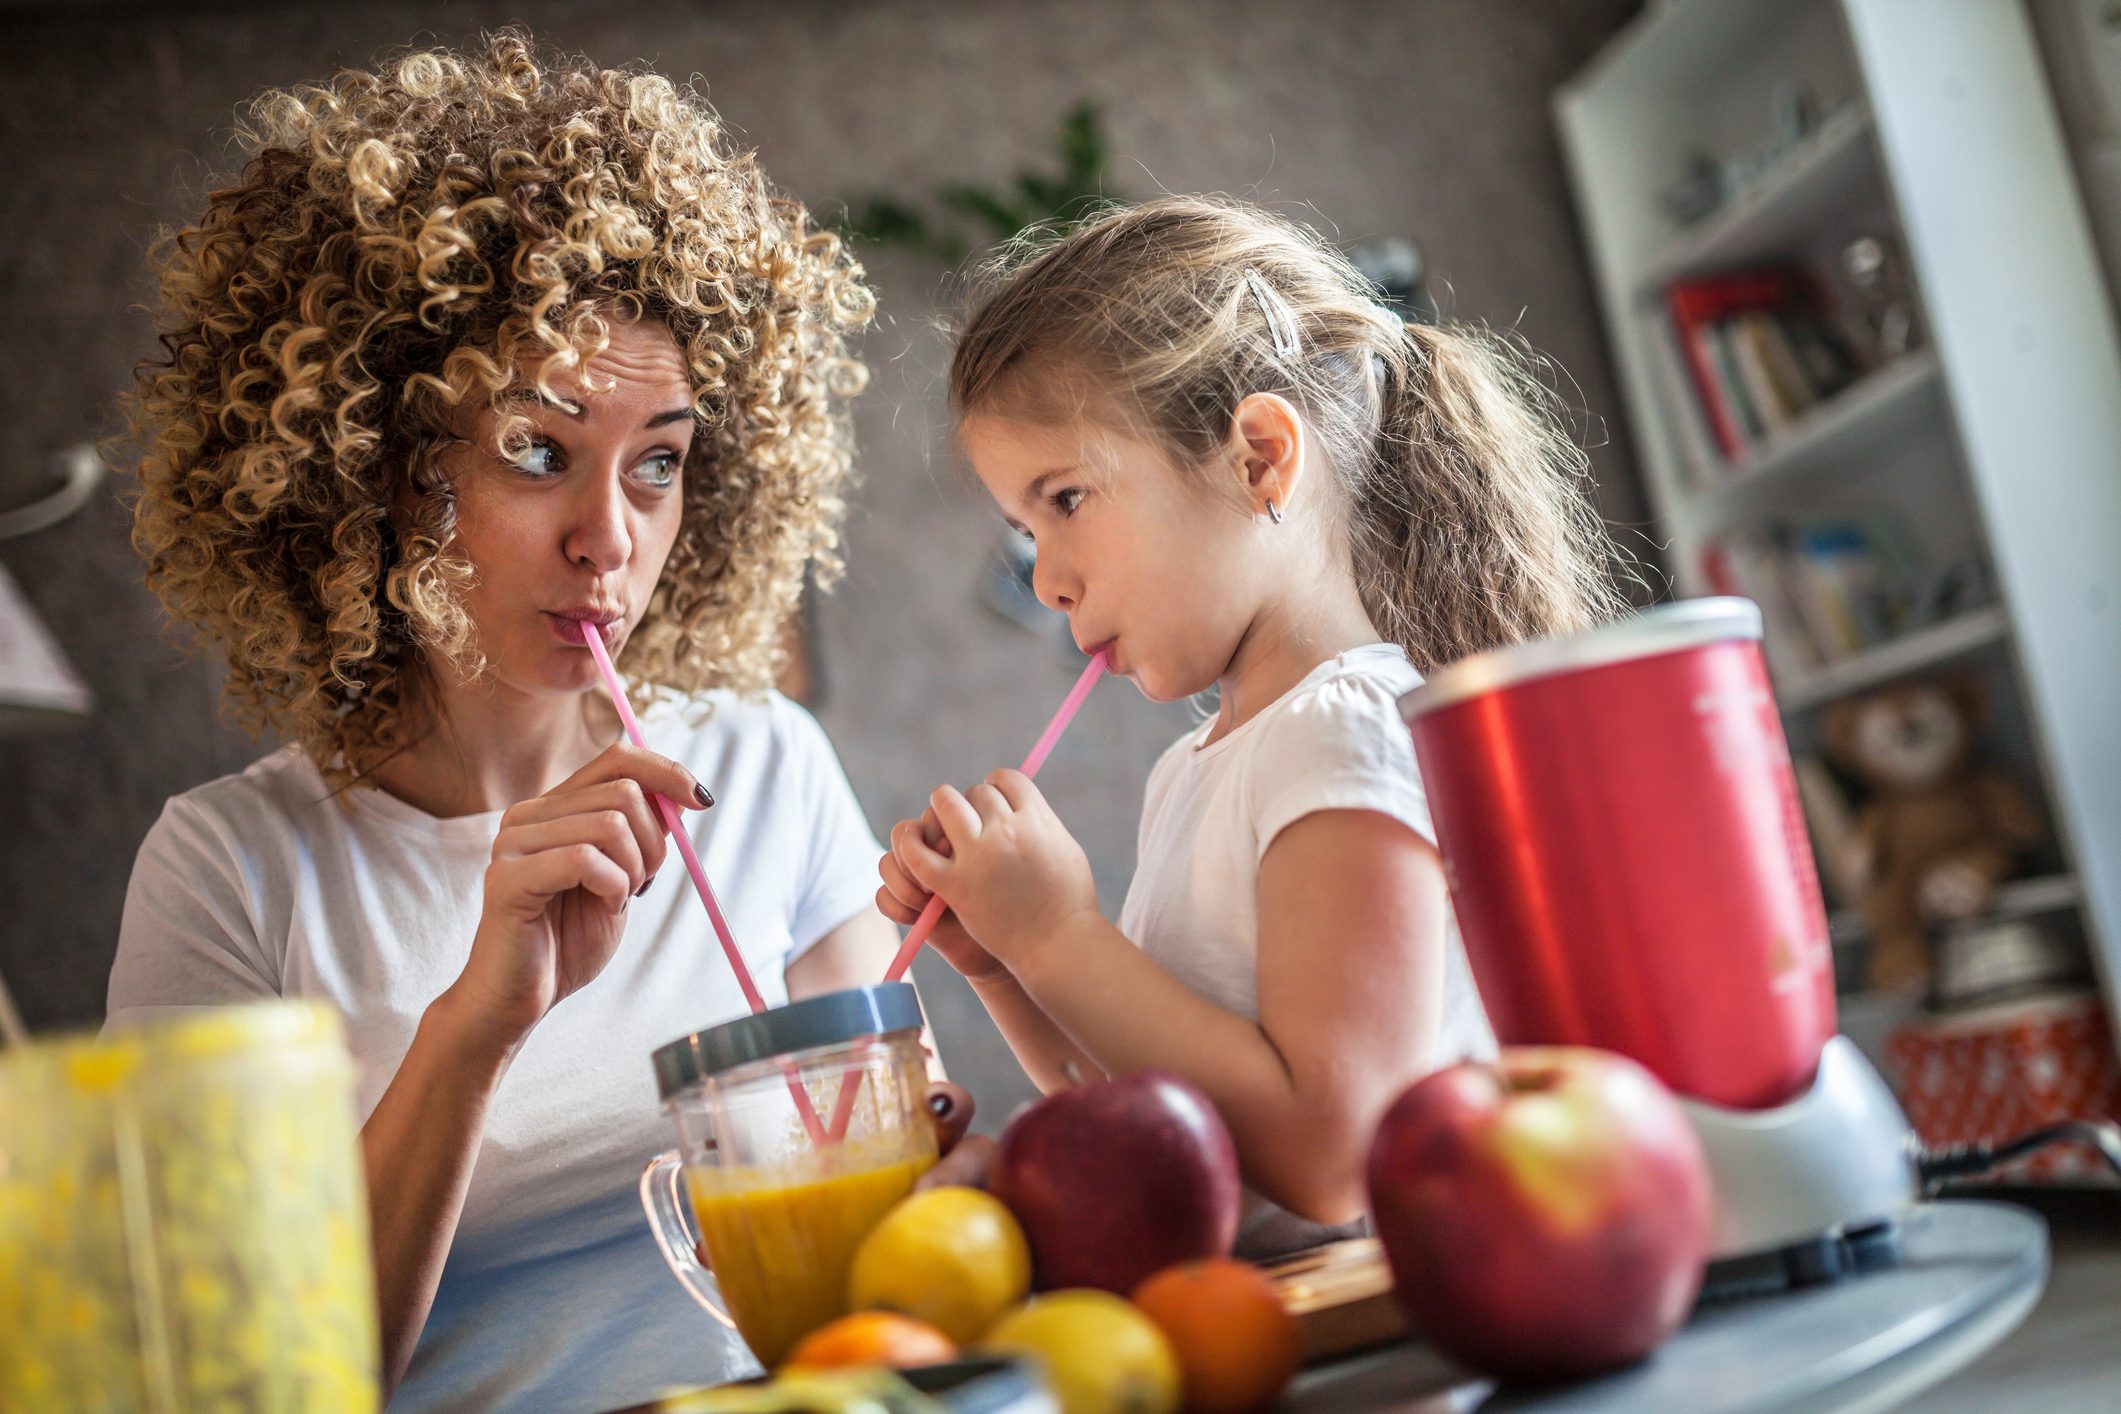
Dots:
(1801, 1188)
(1814, 1262)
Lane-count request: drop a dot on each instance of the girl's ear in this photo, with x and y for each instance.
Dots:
(1267, 447)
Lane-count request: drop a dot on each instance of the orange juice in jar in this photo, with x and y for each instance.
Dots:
(779, 1203)
(780, 1244)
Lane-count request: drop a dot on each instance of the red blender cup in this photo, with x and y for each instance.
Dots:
(1628, 862)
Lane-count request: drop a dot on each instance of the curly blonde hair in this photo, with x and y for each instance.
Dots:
(407, 244)
(1466, 515)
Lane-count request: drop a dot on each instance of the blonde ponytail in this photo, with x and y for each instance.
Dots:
(1469, 523)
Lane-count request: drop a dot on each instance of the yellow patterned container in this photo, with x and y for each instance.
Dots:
(182, 1220)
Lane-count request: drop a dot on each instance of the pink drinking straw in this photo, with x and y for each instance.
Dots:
(594, 639)
(932, 914)
(1070, 705)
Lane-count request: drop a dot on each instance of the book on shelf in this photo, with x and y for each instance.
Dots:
(1826, 591)
(1721, 358)
(1759, 352)
(1833, 572)
(1699, 459)
(1774, 376)
(1748, 567)
(1831, 817)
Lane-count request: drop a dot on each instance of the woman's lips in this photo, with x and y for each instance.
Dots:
(572, 628)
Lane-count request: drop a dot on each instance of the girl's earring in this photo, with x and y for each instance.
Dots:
(1273, 511)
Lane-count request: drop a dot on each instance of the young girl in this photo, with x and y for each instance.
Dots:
(1242, 472)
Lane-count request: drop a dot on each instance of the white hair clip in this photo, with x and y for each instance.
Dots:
(1281, 323)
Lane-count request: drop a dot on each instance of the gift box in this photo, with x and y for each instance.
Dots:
(1991, 1075)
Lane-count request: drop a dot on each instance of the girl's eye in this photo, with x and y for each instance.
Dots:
(537, 460)
(1066, 501)
(660, 471)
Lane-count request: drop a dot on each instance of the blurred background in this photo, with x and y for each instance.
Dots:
(1424, 123)
(1826, 286)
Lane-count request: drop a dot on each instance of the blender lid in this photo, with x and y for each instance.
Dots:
(830, 1020)
(1668, 628)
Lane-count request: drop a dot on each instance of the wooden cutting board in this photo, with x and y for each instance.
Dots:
(1341, 1294)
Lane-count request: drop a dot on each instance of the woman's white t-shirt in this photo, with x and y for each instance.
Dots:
(1335, 741)
(554, 1296)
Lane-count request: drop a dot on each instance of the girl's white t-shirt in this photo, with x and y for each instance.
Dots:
(1335, 741)
(554, 1296)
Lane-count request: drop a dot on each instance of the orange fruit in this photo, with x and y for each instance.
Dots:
(872, 1338)
(1237, 1345)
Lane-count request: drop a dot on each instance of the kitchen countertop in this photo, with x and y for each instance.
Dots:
(1969, 1272)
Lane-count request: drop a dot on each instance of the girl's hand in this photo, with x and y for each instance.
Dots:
(901, 900)
(564, 867)
(1014, 875)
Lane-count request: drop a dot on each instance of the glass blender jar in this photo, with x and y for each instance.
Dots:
(759, 1184)
(183, 1220)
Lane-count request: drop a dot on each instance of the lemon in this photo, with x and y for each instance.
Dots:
(953, 1257)
(1100, 1354)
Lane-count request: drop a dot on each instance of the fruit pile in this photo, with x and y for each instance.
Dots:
(1545, 1216)
(1117, 1204)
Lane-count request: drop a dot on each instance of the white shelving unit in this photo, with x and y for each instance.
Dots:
(1931, 647)
(1823, 175)
(2021, 898)
(1999, 434)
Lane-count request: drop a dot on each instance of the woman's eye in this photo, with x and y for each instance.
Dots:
(660, 471)
(1066, 501)
(537, 460)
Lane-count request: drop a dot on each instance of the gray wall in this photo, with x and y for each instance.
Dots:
(1425, 118)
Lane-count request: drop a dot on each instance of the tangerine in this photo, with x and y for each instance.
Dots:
(872, 1338)
(1236, 1343)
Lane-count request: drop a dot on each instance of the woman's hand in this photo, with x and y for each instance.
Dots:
(1012, 873)
(901, 900)
(966, 1158)
(565, 865)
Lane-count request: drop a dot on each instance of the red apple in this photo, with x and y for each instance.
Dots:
(1546, 1216)
(1118, 1180)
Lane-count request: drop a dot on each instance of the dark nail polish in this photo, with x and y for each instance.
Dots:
(644, 886)
(703, 795)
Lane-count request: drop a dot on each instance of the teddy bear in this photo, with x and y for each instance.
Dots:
(1938, 831)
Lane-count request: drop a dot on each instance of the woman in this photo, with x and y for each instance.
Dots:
(479, 353)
